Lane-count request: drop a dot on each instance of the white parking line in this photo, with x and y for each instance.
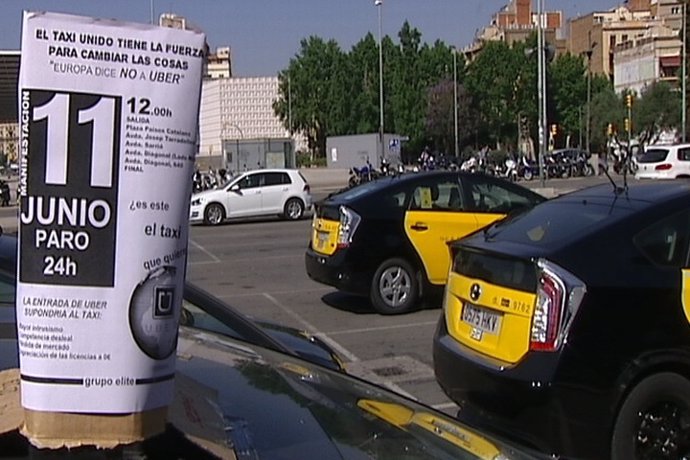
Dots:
(381, 328)
(313, 330)
(332, 343)
(203, 249)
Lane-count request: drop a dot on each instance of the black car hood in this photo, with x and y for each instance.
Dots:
(281, 407)
(276, 406)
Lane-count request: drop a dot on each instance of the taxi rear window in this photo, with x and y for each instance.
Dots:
(555, 222)
(501, 271)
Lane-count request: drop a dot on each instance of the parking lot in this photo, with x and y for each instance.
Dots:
(258, 267)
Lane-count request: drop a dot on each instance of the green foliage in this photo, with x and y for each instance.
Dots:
(325, 92)
(658, 108)
(568, 90)
(307, 160)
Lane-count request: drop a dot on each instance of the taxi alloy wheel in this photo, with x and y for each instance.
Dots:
(214, 214)
(293, 209)
(654, 421)
(394, 289)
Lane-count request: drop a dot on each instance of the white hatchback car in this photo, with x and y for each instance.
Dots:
(283, 192)
(664, 162)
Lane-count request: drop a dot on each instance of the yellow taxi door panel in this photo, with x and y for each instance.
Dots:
(429, 231)
(484, 219)
(685, 293)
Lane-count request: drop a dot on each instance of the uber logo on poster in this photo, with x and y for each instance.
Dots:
(69, 188)
(163, 301)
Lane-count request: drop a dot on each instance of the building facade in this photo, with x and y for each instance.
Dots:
(238, 128)
(642, 61)
(9, 126)
(514, 23)
(218, 64)
(633, 45)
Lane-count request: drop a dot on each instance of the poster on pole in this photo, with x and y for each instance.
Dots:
(108, 123)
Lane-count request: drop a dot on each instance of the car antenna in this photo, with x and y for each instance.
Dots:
(616, 188)
(625, 165)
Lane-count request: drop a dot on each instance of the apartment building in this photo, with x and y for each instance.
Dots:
(219, 64)
(634, 45)
(9, 126)
(514, 23)
(238, 128)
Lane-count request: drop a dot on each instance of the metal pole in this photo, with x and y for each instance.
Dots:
(683, 115)
(379, 4)
(289, 105)
(455, 100)
(540, 90)
(589, 91)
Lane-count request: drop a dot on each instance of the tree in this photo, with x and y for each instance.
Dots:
(568, 88)
(313, 81)
(657, 109)
(493, 81)
(606, 108)
(440, 116)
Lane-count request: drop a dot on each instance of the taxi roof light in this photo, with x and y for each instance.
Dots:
(349, 221)
(559, 295)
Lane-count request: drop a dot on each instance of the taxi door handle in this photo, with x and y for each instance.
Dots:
(419, 227)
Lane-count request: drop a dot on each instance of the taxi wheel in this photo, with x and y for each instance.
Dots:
(654, 421)
(294, 209)
(394, 289)
(214, 214)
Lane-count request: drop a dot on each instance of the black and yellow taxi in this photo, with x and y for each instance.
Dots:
(387, 239)
(568, 326)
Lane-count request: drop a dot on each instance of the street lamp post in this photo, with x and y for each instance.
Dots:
(683, 114)
(379, 5)
(541, 90)
(588, 118)
(455, 100)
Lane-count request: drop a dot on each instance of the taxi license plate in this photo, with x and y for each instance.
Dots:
(481, 318)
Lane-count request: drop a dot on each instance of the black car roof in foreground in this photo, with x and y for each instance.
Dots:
(643, 191)
(561, 221)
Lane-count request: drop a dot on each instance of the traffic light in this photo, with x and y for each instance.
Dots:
(554, 129)
(628, 100)
(627, 124)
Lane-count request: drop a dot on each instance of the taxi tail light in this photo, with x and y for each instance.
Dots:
(663, 167)
(349, 221)
(559, 295)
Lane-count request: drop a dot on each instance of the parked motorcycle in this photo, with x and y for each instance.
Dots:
(508, 170)
(361, 175)
(582, 166)
(527, 169)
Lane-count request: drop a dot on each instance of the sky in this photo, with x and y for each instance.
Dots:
(265, 34)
